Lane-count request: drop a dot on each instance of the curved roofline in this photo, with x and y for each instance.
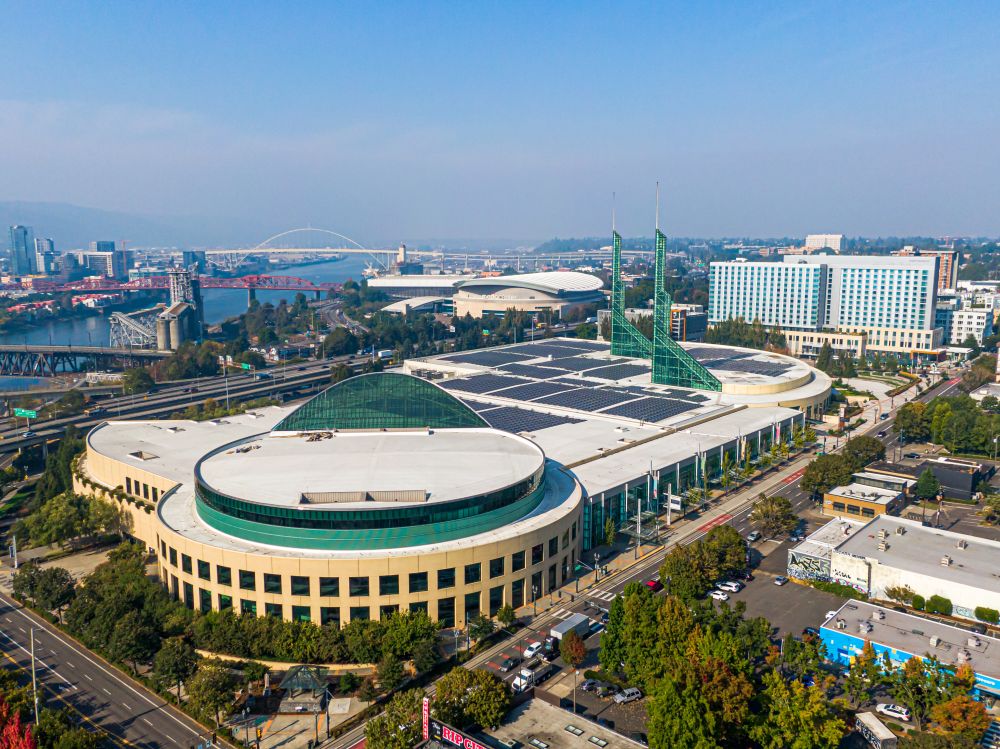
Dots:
(528, 281)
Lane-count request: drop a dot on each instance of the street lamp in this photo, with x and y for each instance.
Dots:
(534, 598)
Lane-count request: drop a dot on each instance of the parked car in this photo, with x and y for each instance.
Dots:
(883, 417)
(914, 456)
(628, 695)
(654, 585)
(829, 615)
(795, 537)
(780, 580)
(507, 663)
(639, 738)
(532, 650)
(590, 685)
(811, 631)
(731, 586)
(753, 536)
(746, 575)
(893, 711)
(606, 689)
(719, 595)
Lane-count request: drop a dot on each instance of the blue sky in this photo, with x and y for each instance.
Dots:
(394, 121)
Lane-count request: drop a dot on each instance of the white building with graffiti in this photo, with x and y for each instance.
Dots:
(810, 560)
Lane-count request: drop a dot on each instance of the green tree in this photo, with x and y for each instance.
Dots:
(609, 532)
(726, 550)
(865, 675)
(137, 380)
(425, 656)
(824, 473)
(398, 727)
(506, 615)
(340, 372)
(927, 485)
(341, 342)
(174, 663)
(368, 691)
(824, 360)
(796, 717)
(919, 686)
(911, 422)
(773, 515)
(390, 672)
(480, 627)
(489, 699)
(211, 689)
(54, 588)
(612, 653)
(132, 640)
(862, 450)
(586, 330)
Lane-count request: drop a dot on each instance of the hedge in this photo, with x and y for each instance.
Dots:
(918, 602)
(984, 614)
(939, 605)
(838, 589)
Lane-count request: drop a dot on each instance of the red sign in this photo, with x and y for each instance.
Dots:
(427, 718)
(458, 739)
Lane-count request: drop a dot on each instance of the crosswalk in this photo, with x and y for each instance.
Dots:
(606, 595)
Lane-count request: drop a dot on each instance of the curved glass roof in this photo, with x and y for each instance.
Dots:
(381, 400)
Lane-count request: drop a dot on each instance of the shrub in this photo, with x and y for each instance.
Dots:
(987, 615)
(939, 605)
(838, 589)
(918, 602)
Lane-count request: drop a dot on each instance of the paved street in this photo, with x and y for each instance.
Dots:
(101, 695)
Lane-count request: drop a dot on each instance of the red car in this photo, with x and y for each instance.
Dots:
(654, 585)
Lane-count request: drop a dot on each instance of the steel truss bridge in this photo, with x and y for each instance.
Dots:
(47, 361)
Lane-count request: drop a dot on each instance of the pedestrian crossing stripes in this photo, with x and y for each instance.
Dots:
(562, 614)
(606, 595)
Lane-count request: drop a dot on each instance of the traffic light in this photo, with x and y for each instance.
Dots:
(260, 733)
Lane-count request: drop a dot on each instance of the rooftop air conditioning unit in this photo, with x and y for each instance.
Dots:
(935, 640)
(878, 614)
(883, 533)
(964, 656)
(974, 642)
(841, 624)
(962, 544)
(865, 627)
(946, 561)
(883, 546)
(900, 530)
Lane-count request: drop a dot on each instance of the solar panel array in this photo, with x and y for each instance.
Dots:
(618, 371)
(487, 358)
(550, 348)
(483, 383)
(752, 366)
(650, 409)
(513, 419)
(587, 399)
(531, 391)
(580, 363)
(532, 370)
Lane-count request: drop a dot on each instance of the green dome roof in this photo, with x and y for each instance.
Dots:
(381, 400)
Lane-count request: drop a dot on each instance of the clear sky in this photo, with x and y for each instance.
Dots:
(390, 121)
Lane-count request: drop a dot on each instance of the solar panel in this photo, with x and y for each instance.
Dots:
(513, 419)
(579, 363)
(531, 370)
(531, 391)
(482, 383)
(618, 371)
(650, 409)
(486, 358)
(587, 399)
(479, 407)
(768, 369)
(547, 349)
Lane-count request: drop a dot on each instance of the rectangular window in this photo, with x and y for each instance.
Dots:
(384, 612)
(145, 491)
(300, 586)
(272, 583)
(517, 594)
(173, 587)
(867, 512)
(853, 510)
(248, 580)
(496, 568)
(128, 485)
(388, 585)
(204, 600)
(553, 547)
(839, 506)
(552, 578)
(248, 607)
(186, 563)
(272, 609)
(360, 613)
(574, 531)
(471, 606)
(301, 614)
(517, 561)
(204, 570)
(156, 494)
(329, 586)
(225, 602)
(496, 599)
(357, 586)
(418, 582)
(329, 615)
(446, 578)
(537, 553)
(418, 606)
(565, 539)
(173, 557)
(189, 595)
(223, 575)
(473, 573)
(163, 548)
(446, 612)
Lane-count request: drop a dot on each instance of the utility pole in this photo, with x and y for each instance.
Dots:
(34, 679)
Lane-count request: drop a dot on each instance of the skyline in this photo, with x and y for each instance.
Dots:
(394, 124)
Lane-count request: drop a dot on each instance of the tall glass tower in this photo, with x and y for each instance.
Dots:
(22, 250)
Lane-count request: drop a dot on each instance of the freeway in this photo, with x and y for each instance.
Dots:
(104, 698)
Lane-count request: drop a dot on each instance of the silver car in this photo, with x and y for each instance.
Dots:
(628, 695)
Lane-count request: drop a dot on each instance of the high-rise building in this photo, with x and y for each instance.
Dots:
(890, 299)
(195, 258)
(22, 250)
(948, 260)
(102, 245)
(833, 242)
(45, 256)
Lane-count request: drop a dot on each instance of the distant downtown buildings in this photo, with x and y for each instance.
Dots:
(855, 303)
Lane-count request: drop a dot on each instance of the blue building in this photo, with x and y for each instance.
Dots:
(904, 636)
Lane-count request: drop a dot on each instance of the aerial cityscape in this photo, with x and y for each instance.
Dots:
(451, 377)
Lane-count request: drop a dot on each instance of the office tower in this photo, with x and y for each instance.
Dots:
(891, 300)
(22, 250)
(45, 255)
(194, 258)
(948, 261)
(833, 242)
(102, 245)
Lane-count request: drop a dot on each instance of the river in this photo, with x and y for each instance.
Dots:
(219, 305)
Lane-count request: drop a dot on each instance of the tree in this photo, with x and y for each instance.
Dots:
(390, 672)
(970, 342)
(901, 593)
(480, 627)
(927, 485)
(572, 649)
(506, 615)
(824, 473)
(919, 685)
(368, 691)
(865, 675)
(612, 653)
(961, 714)
(796, 717)
(911, 422)
(609, 532)
(174, 663)
(425, 656)
(399, 726)
(773, 515)
(14, 734)
(132, 640)
(586, 330)
(862, 450)
(341, 342)
(451, 695)
(726, 550)
(211, 689)
(54, 588)
(340, 372)
(136, 380)
(920, 740)
(489, 699)
(825, 357)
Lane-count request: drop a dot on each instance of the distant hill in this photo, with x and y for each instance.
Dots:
(73, 226)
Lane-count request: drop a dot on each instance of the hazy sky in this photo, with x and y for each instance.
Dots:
(389, 121)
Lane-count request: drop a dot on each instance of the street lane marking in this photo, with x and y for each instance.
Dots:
(146, 722)
(18, 645)
(126, 706)
(87, 677)
(23, 630)
(70, 664)
(106, 691)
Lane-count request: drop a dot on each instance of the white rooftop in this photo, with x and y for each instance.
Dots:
(441, 465)
(874, 494)
(554, 281)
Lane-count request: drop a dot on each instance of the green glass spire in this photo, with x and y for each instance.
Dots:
(626, 339)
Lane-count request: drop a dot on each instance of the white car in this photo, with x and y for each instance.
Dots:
(753, 536)
(893, 711)
(627, 695)
(731, 585)
(829, 615)
(532, 650)
(719, 595)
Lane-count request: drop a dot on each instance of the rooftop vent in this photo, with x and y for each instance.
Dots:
(175, 430)
(900, 530)
(946, 561)
(935, 640)
(841, 624)
(878, 615)
(865, 627)
(974, 642)
(883, 534)
(963, 656)
(962, 544)
(143, 455)
(883, 546)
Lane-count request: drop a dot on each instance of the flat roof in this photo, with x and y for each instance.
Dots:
(912, 634)
(551, 725)
(411, 282)
(875, 476)
(919, 549)
(550, 281)
(874, 494)
(822, 541)
(441, 464)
